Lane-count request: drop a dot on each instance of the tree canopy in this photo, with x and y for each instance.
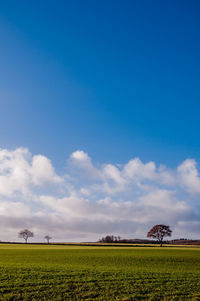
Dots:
(159, 232)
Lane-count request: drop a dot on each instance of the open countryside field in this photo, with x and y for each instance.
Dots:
(39, 272)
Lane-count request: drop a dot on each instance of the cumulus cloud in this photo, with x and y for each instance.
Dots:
(138, 172)
(80, 163)
(94, 199)
(189, 176)
(20, 171)
(43, 172)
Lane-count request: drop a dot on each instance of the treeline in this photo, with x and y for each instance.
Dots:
(118, 239)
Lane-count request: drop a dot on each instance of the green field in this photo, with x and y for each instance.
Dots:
(34, 272)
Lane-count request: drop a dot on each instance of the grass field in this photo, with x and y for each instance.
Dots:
(34, 272)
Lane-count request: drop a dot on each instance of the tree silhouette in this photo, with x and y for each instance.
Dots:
(25, 234)
(159, 232)
(47, 237)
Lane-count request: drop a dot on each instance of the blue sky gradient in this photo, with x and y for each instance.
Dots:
(117, 79)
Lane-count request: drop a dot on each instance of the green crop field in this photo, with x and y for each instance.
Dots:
(34, 272)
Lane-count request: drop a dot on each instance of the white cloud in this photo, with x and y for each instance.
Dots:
(14, 209)
(136, 170)
(85, 191)
(139, 172)
(81, 161)
(42, 171)
(80, 156)
(112, 179)
(94, 199)
(188, 176)
(20, 171)
(72, 205)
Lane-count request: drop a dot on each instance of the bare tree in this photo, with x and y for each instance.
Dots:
(25, 234)
(47, 237)
(159, 232)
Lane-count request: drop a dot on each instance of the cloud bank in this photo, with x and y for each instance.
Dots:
(90, 200)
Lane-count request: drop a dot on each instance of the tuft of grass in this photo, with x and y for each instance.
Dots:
(50, 272)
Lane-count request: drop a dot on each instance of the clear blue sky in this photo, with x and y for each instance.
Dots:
(117, 79)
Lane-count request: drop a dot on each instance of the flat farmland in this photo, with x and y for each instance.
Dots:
(51, 272)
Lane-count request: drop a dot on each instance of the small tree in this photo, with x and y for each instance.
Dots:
(159, 232)
(47, 237)
(25, 234)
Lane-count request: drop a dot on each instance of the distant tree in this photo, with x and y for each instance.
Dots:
(110, 239)
(118, 238)
(47, 237)
(159, 232)
(25, 234)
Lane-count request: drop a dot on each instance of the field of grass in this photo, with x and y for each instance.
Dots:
(34, 272)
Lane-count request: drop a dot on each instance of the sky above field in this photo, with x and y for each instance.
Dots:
(99, 118)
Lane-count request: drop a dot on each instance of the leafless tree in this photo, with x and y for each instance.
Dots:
(47, 237)
(25, 234)
(159, 232)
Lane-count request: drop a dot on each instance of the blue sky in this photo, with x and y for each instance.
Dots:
(114, 79)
